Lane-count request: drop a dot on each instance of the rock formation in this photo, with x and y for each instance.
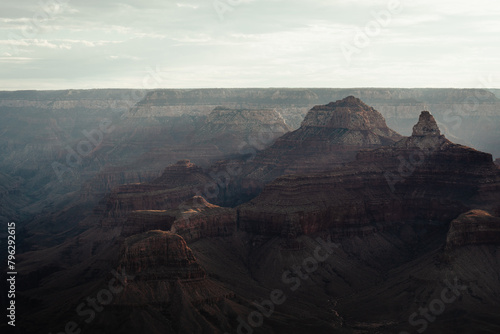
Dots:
(475, 227)
(232, 129)
(141, 221)
(426, 126)
(177, 184)
(406, 189)
(422, 177)
(160, 255)
(151, 128)
(329, 136)
(350, 114)
(193, 219)
(196, 219)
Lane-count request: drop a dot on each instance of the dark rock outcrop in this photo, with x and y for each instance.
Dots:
(156, 255)
(141, 221)
(177, 184)
(193, 219)
(475, 227)
(196, 219)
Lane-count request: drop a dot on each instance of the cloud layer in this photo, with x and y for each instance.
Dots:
(57, 44)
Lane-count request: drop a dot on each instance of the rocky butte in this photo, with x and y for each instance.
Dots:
(424, 177)
(329, 136)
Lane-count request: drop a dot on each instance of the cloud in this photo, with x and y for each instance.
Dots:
(292, 43)
(187, 5)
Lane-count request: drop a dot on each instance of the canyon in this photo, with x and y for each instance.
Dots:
(212, 207)
(150, 129)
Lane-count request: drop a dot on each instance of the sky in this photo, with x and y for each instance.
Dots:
(83, 44)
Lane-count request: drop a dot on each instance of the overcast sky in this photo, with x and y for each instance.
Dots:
(59, 44)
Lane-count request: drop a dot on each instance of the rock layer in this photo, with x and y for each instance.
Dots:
(475, 227)
(232, 129)
(198, 219)
(177, 184)
(159, 255)
(193, 220)
(422, 177)
(329, 136)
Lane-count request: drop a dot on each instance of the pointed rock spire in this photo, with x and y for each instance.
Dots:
(426, 126)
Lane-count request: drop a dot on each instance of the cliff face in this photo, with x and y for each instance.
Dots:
(193, 220)
(177, 184)
(197, 219)
(422, 177)
(159, 255)
(475, 227)
(463, 114)
(141, 221)
(150, 130)
(232, 129)
(167, 282)
(329, 136)
(172, 287)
